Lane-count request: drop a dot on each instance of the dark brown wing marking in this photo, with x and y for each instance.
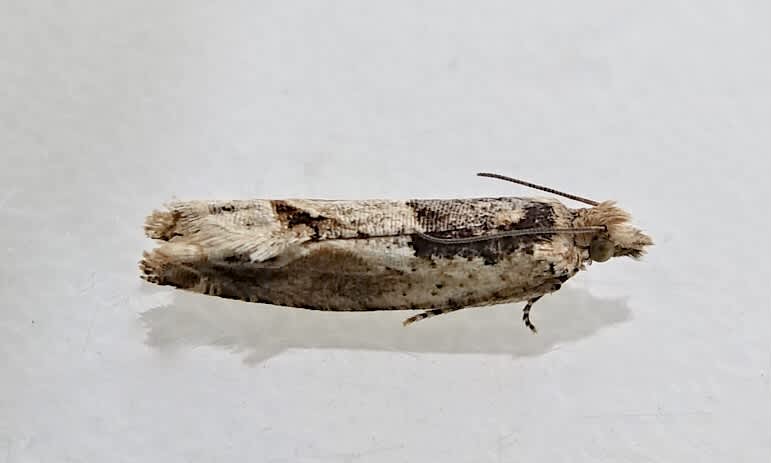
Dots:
(454, 217)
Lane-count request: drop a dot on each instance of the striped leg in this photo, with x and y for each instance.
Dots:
(526, 313)
(428, 314)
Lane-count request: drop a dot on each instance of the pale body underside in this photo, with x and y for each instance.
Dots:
(363, 255)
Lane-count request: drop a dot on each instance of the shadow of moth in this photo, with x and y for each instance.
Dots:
(433, 255)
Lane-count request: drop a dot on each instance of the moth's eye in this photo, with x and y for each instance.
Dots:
(601, 250)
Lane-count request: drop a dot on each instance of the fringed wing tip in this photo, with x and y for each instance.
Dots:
(161, 269)
(151, 267)
(160, 225)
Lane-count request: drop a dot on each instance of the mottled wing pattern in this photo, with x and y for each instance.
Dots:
(261, 230)
(463, 218)
(439, 217)
(360, 255)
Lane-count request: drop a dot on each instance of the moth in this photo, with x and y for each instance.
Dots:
(432, 255)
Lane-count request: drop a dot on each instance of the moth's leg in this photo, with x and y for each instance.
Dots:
(428, 314)
(554, 286)
(526, 313)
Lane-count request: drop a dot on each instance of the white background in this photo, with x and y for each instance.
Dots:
(108, 109)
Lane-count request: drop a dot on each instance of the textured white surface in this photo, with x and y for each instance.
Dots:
(108, 109)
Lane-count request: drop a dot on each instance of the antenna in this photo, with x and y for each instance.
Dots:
(539, 187)
(513, 233)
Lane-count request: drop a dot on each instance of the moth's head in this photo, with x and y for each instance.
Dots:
(620, 238)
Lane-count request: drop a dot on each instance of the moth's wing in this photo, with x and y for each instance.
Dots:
(270, 231)
(320, 220)
(346, 248)
(216, 230)
(275, 232)
(463, 218)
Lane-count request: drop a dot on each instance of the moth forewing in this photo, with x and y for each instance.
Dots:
(437, 255)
